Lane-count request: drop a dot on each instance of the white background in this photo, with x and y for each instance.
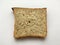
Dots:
(7, 22)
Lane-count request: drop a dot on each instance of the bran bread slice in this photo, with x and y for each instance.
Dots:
(30, 22)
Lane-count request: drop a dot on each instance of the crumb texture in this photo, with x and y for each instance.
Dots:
(30, 22)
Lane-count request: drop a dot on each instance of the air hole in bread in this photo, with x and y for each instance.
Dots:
(23, 14)
(17, 29)
(29, 21)
(30, 30)
(25, 31)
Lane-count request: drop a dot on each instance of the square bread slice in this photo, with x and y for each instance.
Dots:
(30, 22)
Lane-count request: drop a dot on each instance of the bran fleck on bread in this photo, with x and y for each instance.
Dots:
(30, 22)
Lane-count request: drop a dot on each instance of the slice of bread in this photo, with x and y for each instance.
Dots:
(30, 22)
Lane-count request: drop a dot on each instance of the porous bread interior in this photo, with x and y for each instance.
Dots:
(30, 22)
